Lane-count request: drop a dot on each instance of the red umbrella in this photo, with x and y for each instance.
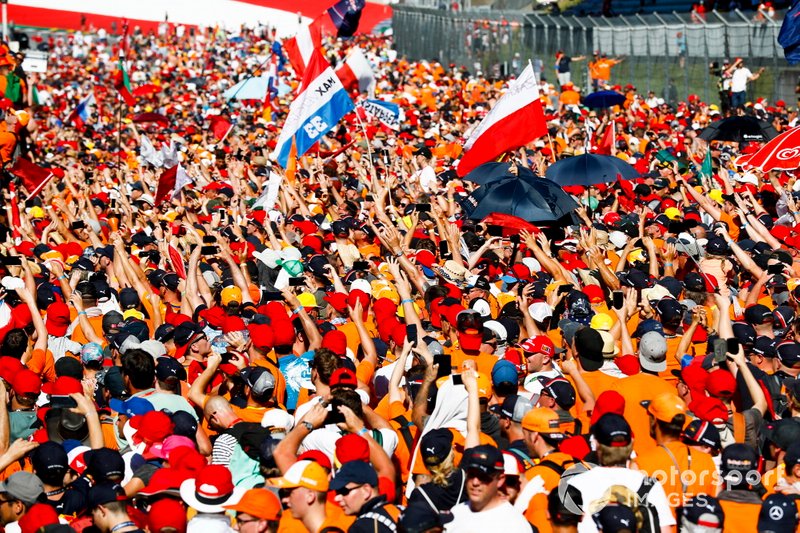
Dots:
(151, 117)
(146, 90)
(511, 225)
(781, 153)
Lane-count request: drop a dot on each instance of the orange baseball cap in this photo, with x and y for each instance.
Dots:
(665, 406)
(260, 503)
(542, 420)
(306, 474)
(484, 386)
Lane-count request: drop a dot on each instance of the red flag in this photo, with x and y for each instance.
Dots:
(220, 127)
(607, 142)
(33, 177)
(12, 187)
(515, 120)
(166, 184)
(177, 261)
(300, 47)
(123, 84)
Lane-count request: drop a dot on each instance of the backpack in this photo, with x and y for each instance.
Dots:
(650, 521)
(245, 460)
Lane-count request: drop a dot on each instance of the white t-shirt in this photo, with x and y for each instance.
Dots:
(739, 79)
(427, 178)
(501, 518)
(593, 484)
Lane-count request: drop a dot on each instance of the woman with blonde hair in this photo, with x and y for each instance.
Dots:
(446, 484)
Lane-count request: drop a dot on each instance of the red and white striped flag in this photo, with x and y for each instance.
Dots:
(300, 47)
(356, 71)
(515, 120)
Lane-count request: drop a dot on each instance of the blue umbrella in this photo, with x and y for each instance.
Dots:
(589, 169)
(536, 200)
(249, 89)
(492, 172)
(604, 99)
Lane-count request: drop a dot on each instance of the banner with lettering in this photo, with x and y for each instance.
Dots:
(387, 112)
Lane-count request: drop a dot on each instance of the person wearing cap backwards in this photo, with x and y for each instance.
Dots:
(469, 327)
(614, 447)
(303, 488)
(741, 492)
(258, 511)
(487, 509)
(107, 505)
(701, 514)
(689, 472)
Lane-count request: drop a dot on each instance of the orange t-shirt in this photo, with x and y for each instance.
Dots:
(280, 381)
(636, 389)
(484, 361)
(334, 517)
(96, 323)
(42, 363)
(740, 517)
(702, 466)
(402, 453)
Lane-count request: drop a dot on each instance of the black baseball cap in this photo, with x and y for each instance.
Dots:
(758, 314)
(169, 367)
(738, 457)
(703, 433)
(765, 346)
(436, 445)
(50, 457)
(589, 346)
(612, 430)
(164, 333)
(560, 390)
(782, 433)
(104, 463)
(103, 493)
(703, 510)
(354, 472)
(778, 514)
(486, 458)
(614, 518)
(789, 354)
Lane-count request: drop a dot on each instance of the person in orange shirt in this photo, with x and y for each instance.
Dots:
(740, 499)
(600, 70)
(469, 325)
(688, 472)
(88, 294)
(304, 488)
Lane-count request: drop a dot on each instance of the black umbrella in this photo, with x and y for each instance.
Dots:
(739, 129)
(492, 172)
(536, 200)
(603, 99)
(589, 169)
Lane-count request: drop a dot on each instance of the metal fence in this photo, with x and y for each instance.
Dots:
(667, 54)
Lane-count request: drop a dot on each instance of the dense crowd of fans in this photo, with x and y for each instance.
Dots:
(344, 350)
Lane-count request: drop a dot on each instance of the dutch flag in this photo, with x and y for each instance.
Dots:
(316, 110)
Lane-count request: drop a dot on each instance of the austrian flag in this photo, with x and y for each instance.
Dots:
(515, 120)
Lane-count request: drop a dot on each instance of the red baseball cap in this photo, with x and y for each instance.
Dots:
(352, 447)
(344, 377)
(9, 366)
(609, 401)
(283, 332)
(594, 293)
(721, 383)
(539, 344)
(262, 336)
(37, 517)
(58, 319)
(318, 457)
(470, 340)
(335, 341)
(384, 307)
(628, 364)
(26, 382)
(63, 386)
(425, 258)
(709, 409)
(152, 427)
(338, 301)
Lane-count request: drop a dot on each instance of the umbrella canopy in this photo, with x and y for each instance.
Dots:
(151, 117)
(511, 225)
(249, 89)
(603, 99)
(781, 153)
(146, 90)
(537, 200)
(739, 129)
(589, 169)
(493, 172)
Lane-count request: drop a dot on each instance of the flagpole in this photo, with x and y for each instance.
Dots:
(119, 128)
(369, 148)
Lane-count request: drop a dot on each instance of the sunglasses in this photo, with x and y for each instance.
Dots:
(344, 491)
